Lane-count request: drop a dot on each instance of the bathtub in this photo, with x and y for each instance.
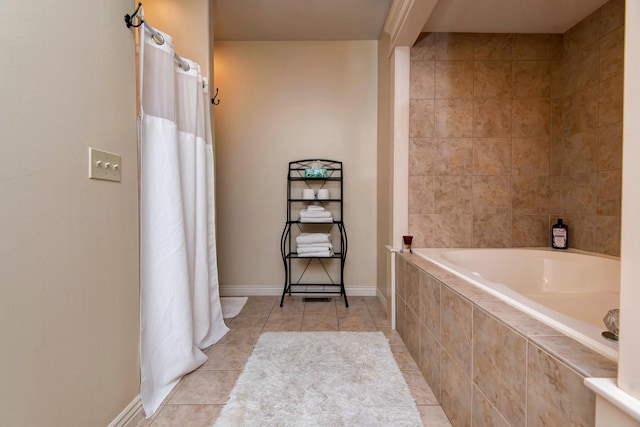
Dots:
(569, 291)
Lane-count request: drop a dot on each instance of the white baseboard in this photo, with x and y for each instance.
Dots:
(127, 413)
(249, 291)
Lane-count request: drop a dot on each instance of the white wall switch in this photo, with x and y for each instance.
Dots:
(104, 165)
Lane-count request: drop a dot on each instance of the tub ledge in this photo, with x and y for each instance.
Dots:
(613, 405)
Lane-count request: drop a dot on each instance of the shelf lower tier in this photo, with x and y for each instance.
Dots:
(294, 255)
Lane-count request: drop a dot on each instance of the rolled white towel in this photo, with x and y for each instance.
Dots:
(305, 238)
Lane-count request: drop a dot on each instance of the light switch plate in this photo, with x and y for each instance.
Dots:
(104, 165)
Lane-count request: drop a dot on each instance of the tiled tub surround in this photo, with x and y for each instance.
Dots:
(508, 132)
(487, 363)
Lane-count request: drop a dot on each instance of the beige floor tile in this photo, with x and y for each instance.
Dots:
(205, 387)
(419, 388)
(187, 415)
(241, 336)
(198, 398)
(227, 357)
(434, 416)
(403, 358)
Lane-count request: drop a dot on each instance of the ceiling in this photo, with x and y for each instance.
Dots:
(270, 20)
(279, 20)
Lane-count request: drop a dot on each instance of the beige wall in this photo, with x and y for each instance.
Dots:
(187, 21)
(69, 306)
(285, 101)
(511, 131)
(385, 157)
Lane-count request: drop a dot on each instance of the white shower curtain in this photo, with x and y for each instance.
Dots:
(180, 311)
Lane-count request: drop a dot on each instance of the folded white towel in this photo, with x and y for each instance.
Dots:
(304, 213)
(316, 208)
(317, 254)
(325, 245)
(317, 220)
(311, 250)
(306, 238)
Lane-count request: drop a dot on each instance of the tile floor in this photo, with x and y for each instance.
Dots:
(198, 398)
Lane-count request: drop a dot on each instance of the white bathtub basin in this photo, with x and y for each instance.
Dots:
(569, 291)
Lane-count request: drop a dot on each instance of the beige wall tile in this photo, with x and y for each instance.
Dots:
(610, 146)
(484, 414)
(421, 228)
(453, 117)
(492, 118)
(454, 46)
(430, 360)
(611, 16)
(491, 194)
(609, 193)
(492, 156)
(530, 195)
(582, 34)
(582, 229)
(454, 79)
(401, 277)
(531, 156)
(493, 46)
(456, 327)
(500, 366)
(530, 230)
(557, 46)
(430, 303)
(422, 79)
(493, 79)
(452, 230)
(531, 118)
(532, 47)
(453, 194)
(556, 79)
(580, 111)
(421, 118)
(581, 70)
(453, 156)
(556, 148)
(556, 395)
(421, 152)
(492, 230)
(608, 235)
(577, 356)
(612, 53)
(579, 153)
(532, 79)
(574, 194)
(456, 392)
(425, 48)
(421, 194)
(413, 291)
(610, 100)
(411, 337)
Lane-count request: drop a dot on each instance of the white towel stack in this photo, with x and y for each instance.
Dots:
(314, 245)
(315, 213)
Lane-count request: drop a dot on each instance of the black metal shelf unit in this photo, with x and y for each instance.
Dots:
(303, 273)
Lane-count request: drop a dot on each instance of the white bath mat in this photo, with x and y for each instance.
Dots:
(320, 379)
(231, 306)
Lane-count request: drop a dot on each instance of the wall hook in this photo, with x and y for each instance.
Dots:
(215, 101)
(128, 19)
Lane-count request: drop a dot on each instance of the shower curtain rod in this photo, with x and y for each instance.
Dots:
(155, 35)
